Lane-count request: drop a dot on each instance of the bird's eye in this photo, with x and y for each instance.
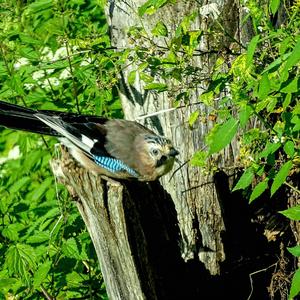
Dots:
(155, 152)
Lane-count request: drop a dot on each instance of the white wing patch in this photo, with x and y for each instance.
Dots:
(87, 141)
(83, 142)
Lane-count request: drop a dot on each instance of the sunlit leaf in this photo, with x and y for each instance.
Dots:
(295, 286)
(281, 176)
(159, 87)
(245, 180)
(258, 190)
(70, 249)
(274, 5)
(41, 274)
(160, 29)
(193, 118)
(289, 148)
(251, 49)
(294, 250)
(292, 213)
(223, 135)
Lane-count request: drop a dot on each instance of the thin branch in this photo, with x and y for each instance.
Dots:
(292, 187)
(46, 294)
(256, 272)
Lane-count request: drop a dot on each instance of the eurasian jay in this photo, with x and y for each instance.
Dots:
(112, 147)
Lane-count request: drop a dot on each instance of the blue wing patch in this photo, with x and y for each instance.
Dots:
(114, 165)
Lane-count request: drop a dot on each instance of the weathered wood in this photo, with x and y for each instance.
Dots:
(193, 192)
(134, 230)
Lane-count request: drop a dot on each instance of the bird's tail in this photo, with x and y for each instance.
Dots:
(22, 118)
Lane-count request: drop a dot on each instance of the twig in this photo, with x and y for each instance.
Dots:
(46, 294)
(256, 272)
(292, 187)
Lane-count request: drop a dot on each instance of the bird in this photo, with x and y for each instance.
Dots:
(117, 148)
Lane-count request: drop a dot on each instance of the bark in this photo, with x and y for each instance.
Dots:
(193, 192)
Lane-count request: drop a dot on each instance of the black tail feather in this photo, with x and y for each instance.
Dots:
(22, 118)
(17, 117)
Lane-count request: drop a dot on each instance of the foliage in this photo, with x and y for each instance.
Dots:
(54, 55)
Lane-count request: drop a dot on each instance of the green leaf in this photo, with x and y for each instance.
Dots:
(294, 57)
(295, 286)
(19, 184)
(193, 118)
(274, 5)
(276, 63)
(145, 77)
(223, 135)
(11, 231)
(244, 114)
(70, 249)
(20, 259)
(287, 101)
(258, 190)
(264, 87)
(291, 86)
(151, 6)
(294, 250)
(39, 237)
(41, 189)
(160, 29)
(269, 149)
(41, 274)
(245, 180)
(251, 50)
(199, 159)
(292, 213)
(289, 148)
(159, 87)
(7, 282)
(131, 77)
(281, 176)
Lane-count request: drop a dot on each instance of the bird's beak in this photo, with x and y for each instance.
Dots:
(173, 152)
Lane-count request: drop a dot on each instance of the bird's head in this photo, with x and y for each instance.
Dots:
(161, 152)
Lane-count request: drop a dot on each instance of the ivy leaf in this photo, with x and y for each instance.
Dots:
(245, 180)
(258, 190)
(292, 213)
(281, 176)
(295, 286)
(294, 250)
(223, 135)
